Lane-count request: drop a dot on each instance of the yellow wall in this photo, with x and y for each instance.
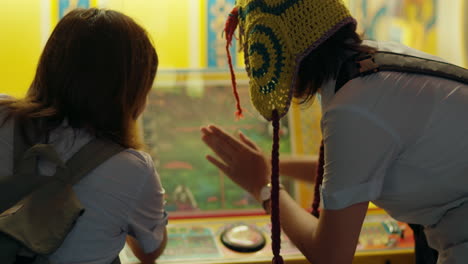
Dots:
(166, 21)
(20, 44)
(21, 36)
(464, 54)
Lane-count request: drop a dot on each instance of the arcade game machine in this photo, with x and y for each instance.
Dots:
(211, 219)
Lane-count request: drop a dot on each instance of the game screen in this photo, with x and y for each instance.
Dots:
(171, 125)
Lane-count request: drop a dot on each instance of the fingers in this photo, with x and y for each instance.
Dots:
(218, 147)
(247, 141)
(226, 138)
(219, 164)
(228, 148)
(232, 141)
(205, 129)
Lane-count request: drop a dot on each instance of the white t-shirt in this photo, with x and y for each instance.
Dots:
(123, 196)
(401, 141)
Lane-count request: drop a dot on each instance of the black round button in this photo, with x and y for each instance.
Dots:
(243, 238)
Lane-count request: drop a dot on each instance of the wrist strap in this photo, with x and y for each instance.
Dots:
(267, 203)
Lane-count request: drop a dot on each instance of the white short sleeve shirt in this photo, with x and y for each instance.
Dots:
(401, 141)
(123, 196)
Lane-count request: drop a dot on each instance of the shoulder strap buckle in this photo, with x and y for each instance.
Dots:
(367, 65)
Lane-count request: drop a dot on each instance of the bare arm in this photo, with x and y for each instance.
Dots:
(318, 240)
(302, 168)
(146, 258)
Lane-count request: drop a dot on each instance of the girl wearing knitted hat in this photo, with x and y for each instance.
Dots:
(393, 136)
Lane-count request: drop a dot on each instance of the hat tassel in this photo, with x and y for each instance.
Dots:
(229, 29)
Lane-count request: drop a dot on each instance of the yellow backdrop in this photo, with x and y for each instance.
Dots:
(20, 44)
(178, 28)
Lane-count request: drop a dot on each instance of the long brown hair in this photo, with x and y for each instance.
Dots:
(322, 64)
(95, 71)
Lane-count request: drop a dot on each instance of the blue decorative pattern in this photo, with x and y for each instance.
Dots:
(66, 5)
(215, 48)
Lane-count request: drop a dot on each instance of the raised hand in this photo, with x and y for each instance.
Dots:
(240, 159)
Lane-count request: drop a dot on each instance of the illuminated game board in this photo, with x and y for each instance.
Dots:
(171, 125)
(200, 242)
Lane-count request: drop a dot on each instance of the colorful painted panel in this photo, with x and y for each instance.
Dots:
(411, 22)
(218, 11)
(66, 5)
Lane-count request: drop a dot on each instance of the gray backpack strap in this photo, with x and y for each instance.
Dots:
(116, 260)
(24, 178)
(22, 129)
(364, 64)
(41, 220)
(19, 146)
(87, 159)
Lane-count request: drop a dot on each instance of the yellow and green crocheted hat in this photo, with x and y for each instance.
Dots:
(277, 35)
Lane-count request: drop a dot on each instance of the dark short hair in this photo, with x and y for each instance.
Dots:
(323, 63)
(95, 71)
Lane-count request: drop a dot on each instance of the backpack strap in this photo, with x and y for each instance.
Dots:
(25, 156)
(87, 159)
(50, 207)
(363, 64)
(26, 177)
(116, 260)
(21, 130)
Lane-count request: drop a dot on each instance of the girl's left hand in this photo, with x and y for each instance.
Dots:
(240, 159)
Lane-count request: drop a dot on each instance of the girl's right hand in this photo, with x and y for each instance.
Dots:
(240, 159)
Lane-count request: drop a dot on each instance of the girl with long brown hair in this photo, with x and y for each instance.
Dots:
(92, 81)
